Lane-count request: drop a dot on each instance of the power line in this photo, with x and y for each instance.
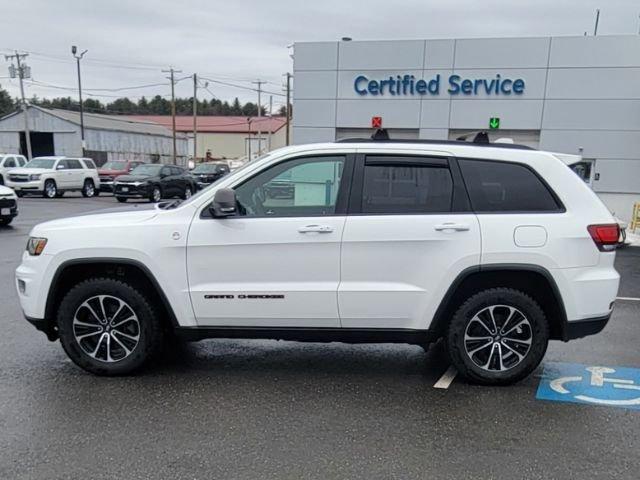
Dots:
(252, 89)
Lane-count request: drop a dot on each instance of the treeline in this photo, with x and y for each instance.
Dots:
(157, 105)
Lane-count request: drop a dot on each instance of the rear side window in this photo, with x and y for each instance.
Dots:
(506, 187)
(73, 164)
(406, 189)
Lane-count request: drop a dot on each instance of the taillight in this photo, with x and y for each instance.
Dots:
(605, 236)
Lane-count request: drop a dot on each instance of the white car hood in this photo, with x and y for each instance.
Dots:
(30, 171)
(116, 217)
(4, 191)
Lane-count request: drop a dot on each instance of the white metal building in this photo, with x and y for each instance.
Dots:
(578, 95)
(107, 137)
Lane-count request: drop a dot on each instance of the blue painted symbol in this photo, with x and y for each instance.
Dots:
(593, 385)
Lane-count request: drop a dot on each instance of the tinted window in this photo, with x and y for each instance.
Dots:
(505, 187)
(21, 161)
(73, 163)
(406, 189)
(176, 171)
(297, 188)
(89, 163)
(10, 162)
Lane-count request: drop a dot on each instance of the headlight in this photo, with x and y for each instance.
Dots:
(36, 245)
(35, 176)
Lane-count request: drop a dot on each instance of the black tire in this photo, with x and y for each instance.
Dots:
(122, 199)
(156, 194)
(50, 189)
(188, 191)
(533, 329)
(1, 180)
(19, 194)
(149, 328)
(59, 194)
(88, 188)
(5, 221)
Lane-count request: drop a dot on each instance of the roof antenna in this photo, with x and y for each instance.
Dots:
(380, 134)
(481, 137)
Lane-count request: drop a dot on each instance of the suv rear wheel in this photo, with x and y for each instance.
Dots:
(108, 327)
(187, 192)
(497, 337)
(88, 189)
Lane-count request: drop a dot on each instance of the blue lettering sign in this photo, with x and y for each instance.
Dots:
(410, 85)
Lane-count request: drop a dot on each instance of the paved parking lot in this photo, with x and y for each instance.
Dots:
(267, 409)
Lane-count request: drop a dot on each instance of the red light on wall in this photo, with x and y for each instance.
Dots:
(376, 122)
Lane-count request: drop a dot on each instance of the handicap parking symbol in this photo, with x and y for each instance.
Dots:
(590, 384)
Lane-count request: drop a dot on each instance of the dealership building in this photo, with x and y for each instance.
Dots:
(577, 95)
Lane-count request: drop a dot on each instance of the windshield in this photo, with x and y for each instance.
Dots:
(147, 170)
(115, 166)
(41, 163)
(205, 168)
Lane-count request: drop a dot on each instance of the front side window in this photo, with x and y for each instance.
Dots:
(406, 189)
(506, 187)
(296, 188)
(10, 163)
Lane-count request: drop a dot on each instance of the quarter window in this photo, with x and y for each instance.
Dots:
(296, 188)
(506, 187)
(406, 189)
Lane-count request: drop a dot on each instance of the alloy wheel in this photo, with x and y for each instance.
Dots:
(187, 193)
(50, 189)
(498, 338)
(157, 195)
(106, 328)
(89, 189)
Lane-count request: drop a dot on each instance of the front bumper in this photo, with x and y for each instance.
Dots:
(9, 205)
(106, 186)
(132, 191)
(35, 186)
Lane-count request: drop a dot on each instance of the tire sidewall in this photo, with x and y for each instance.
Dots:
(487, 298)
(85, 189)
(149, 329)
(55, 187)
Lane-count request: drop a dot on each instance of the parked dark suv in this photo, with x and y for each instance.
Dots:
(207, 173)
(155, 182)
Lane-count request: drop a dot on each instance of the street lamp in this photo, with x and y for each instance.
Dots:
(74, 51)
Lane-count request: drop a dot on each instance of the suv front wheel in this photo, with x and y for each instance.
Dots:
(497, 337)
(108, 327)
(50, 189)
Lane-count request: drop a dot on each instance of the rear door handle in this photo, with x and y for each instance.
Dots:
(456, 227)
(316, 229)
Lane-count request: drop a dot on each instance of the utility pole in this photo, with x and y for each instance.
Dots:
(173, 110)
(270, 121)
(74, 51)
(259, 83)
(248, 139)
(23, 72)
(195, 117)
(595, 28)
(288, 107)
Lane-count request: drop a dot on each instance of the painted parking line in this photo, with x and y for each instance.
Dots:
(628, 299)
(446, 379)
(590, 384)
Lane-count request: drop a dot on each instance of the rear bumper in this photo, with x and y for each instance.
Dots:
(586, 327)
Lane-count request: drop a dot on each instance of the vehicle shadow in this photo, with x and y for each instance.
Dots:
(272, 357)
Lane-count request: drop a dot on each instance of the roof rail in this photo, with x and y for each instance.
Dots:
(513, 146)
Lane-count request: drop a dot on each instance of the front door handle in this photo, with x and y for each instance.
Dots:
(316, 229)
(456, 227)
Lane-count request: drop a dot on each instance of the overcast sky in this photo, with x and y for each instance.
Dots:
(130, 42)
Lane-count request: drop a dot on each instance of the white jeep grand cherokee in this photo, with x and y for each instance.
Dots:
(494, 249)
(53, 176)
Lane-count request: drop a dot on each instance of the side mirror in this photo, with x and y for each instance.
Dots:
(224, 203)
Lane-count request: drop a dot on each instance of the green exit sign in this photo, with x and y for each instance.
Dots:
(494, 123)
